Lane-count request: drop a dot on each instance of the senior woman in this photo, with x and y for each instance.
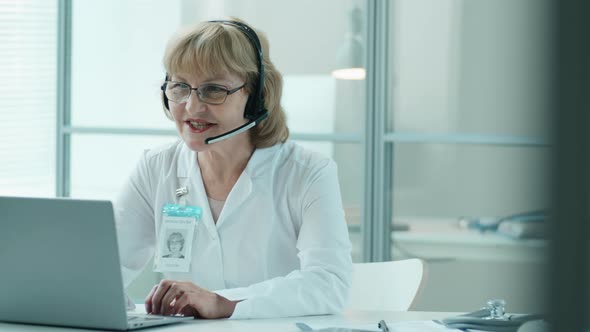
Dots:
(271, 239)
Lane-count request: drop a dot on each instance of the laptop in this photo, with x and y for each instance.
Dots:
(59, 265)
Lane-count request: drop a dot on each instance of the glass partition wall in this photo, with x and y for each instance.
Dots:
(467, 134)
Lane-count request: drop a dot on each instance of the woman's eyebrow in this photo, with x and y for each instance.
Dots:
(178, 78)
(215, 79)
(207, 80)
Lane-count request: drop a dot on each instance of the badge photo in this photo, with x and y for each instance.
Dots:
(175, 238)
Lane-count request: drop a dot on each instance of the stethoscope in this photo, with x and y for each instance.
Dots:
(492, 318)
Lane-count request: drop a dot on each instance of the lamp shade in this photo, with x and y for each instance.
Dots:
(350, 62)
(350, 57)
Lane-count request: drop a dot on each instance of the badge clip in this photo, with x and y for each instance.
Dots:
(181, 193)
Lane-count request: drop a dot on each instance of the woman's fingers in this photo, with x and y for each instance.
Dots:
(158, 295)
(181, 306)
(174, 291)
(148, 300)
(171, 298)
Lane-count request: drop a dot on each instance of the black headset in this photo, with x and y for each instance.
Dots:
(254, 111)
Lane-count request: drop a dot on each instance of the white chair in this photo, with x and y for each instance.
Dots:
(390, 286)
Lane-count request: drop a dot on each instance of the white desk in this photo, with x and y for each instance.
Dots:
(471, 267)
(443, 238)
(351, 318)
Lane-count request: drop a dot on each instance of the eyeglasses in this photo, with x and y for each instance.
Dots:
(212, 94)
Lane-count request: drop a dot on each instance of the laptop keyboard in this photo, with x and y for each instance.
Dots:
(143, 317)
(139, 320)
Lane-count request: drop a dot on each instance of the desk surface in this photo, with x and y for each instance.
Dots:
(351, 318)
(444, 238)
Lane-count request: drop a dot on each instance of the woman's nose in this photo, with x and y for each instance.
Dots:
(194, 104)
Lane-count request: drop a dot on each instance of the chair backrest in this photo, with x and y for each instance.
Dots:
(390, 286)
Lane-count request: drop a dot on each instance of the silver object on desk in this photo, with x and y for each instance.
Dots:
(491, 318)
(497, 308)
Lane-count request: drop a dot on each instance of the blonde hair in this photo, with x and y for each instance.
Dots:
(214, 48)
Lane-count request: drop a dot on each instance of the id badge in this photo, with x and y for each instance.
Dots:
(175, 240)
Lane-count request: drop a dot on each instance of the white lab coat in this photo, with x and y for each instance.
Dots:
(280, 244)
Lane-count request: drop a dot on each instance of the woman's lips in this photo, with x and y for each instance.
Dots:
(198, 126)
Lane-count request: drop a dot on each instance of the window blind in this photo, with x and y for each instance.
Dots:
(28, 61)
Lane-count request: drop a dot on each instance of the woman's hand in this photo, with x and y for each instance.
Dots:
(182, 297)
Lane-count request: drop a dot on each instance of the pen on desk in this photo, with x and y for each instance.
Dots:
(383, 326)
(303, 326)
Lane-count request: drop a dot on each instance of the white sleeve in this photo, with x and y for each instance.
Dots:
(134, 215)
(322, 283)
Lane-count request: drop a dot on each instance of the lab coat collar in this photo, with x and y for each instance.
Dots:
(261, 160)
(258, 164)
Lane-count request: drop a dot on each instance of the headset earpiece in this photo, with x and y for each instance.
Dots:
(164, 98)
(255, 104)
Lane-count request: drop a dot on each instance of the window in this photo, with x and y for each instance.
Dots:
(28, 65)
